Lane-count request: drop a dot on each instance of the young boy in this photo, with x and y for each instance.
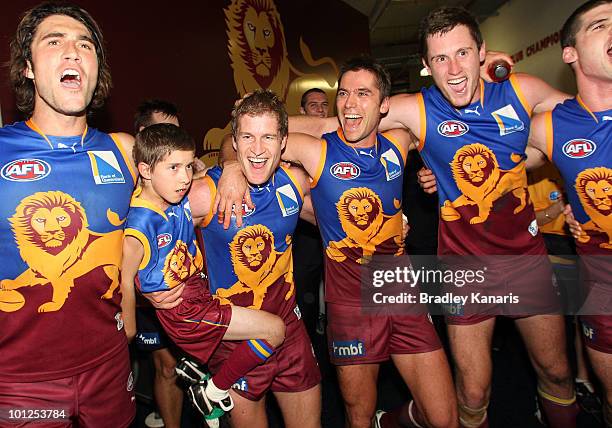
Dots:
(160, 250)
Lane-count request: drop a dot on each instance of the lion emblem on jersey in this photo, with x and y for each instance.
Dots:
(180, 264)
(480, 180)
(257, 264)
(594, 188)
(51, 232)
(366, 226)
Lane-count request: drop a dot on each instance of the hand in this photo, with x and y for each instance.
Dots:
(166, 299)
(490, 58)
(405, 227)
(572, 223)
(232, 189)
(427, 180)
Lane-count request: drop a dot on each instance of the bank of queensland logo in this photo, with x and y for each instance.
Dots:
(348, 349)
(25, 170)
(452, 128)
(393, 167)
(287, 200)
(163, 240)
(345, 170)
(579, 148)
(507, 120)
(105, 167)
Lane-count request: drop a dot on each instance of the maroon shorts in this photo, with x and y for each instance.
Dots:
(292, 368)
(514, 286)
(199, 323)
(597, 332)
(101, 396)
(355, 337)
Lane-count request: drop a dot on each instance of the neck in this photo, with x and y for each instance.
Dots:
(149, 195)
(596, 94)
(53, 123)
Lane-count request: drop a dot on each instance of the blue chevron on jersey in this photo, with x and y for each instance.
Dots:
(508, 120)
(287, 200)
(392, 164)
(105, 167)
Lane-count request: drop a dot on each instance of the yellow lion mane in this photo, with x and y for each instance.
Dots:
(180, 265)
(474, 190)
(50, 262)
(273, 63)
(257, 279)
(359, 195)
(594, 188)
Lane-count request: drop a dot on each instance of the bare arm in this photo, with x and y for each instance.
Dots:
(313, 126)
(200, 200)
(127, 143)
(539, 94)
(404, 113)
(133, 252)
(536, 147)
(302, 178)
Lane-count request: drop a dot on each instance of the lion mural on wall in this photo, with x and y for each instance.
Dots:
(259, 58)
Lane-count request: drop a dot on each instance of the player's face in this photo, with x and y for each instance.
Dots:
(592, 54)
(453, 59)
(64, 66)
(316, 105)
(171, 178)
(359, 107)
(258, 145)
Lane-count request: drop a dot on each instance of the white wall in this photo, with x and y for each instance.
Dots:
(523, 23)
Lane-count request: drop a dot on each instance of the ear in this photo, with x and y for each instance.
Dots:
(426, 66)
(384, 105)
(144, 170)
(234, 144)
(302, 111)
(569, 55)
(482, 53)
(28, 71)
(284, 142)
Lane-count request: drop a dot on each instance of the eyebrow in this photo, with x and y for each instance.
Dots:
(61, 35)
(594, 23)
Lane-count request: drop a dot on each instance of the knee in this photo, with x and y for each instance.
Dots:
(474, 396)
(276, 331)
(556, 374)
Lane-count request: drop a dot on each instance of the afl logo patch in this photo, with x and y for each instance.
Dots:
(163, 240)
(345, 170)
(452, 128)
(25, 170)
(579, 148)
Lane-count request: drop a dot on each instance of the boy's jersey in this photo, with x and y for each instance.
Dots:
(171, 253)
(61, 229)
(252, 266)
(580, 145)
(357, 195)
(545, 189)
(477, 155)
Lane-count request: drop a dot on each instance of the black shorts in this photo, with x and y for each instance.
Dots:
(150, 335)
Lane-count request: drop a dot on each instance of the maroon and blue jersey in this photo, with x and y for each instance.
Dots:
(171, 253)
(65, 200)
(579, 143)
(252, 266)
(357, 195)
(477, 154)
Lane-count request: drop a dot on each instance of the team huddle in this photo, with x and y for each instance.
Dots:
(104, 217)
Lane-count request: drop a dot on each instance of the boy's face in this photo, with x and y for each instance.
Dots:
(258, 145)
(170, 178)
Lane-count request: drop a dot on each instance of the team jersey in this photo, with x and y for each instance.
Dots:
(252, 266)
(477, 155)
(545, 189)
(61, 228)
(171, 253)
(579, 144)
(357, 195)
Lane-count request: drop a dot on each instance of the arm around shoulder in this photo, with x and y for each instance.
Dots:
(539, 94)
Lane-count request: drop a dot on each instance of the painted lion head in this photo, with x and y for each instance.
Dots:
(252, 247)
(257, 48)
(475, 170)
(594, 187)
(360, 213)
(178, 265)
(50, 230)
